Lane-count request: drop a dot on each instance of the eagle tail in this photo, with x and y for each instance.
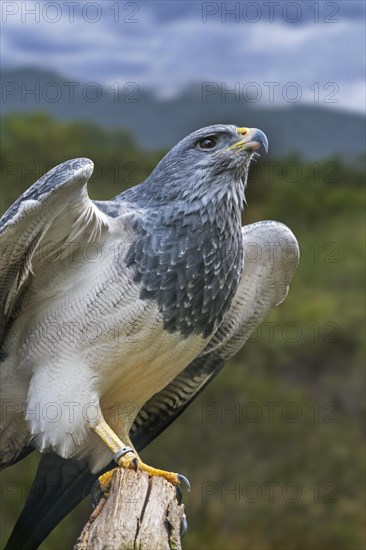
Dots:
(58, 487)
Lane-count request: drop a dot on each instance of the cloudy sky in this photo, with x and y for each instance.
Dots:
(275, 51)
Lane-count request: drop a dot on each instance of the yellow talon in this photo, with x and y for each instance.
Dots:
(126, 457)
(172, 477)
(105, 481)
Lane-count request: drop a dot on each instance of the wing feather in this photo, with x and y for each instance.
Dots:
(53, 211)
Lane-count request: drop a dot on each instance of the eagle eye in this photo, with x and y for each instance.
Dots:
(209, 142)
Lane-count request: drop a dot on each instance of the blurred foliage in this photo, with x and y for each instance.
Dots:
(273, 447)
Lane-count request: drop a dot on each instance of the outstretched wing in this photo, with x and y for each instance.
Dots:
(271, 256)
(54, 211)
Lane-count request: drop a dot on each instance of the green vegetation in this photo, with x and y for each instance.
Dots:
(281, 426)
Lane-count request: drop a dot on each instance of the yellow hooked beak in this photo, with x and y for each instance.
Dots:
(252, 139)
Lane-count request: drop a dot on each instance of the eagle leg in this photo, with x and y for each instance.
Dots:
(126, 457)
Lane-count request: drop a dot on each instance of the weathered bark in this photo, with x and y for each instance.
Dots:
(140, 513)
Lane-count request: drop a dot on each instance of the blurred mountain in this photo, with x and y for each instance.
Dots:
(310, 132)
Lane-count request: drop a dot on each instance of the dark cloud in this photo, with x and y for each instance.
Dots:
(171, 47)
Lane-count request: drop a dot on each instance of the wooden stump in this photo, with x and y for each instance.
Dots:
(140, 513)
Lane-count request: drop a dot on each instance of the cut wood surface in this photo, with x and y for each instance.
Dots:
(139, 513)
